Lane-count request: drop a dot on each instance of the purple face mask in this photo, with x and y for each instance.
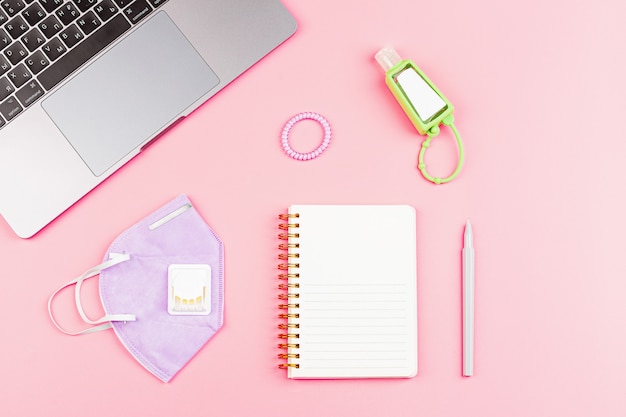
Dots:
(162, 288)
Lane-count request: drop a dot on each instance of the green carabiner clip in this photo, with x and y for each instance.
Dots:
(423, 103)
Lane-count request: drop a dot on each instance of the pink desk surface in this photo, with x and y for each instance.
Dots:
(539, 95)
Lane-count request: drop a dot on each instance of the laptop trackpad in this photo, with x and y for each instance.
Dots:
(130, 93)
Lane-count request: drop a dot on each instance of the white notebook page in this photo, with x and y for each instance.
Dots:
(357, 292)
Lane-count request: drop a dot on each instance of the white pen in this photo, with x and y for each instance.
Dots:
(468, 300)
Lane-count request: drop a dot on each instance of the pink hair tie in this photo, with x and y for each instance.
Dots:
(309, 155)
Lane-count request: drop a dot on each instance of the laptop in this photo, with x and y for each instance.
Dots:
(85, 85)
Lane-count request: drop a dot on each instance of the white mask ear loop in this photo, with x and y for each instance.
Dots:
(105, 321)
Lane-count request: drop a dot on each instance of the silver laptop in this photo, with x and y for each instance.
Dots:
(85, 85)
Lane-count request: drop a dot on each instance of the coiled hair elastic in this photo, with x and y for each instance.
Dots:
(309, 155)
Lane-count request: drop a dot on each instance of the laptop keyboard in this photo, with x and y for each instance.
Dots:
(44, 41)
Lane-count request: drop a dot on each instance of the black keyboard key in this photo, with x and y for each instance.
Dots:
(5, 39)
(6, 88)
(50, 5)
(4, 65)
(16, 27)
(19, 75)
(88, 22)
(50, 26)
(84, 5)
(73, 59)
(12, 7)
(71, 36)
(16, 52)
(3, 17)
(37, 62)
(105, 10)
(33, 39)
(68, 13)
(157, 3)
(34, 14)
(10, 108)
(54, 49)
(123, 3)
(137, 11)
(30, 93)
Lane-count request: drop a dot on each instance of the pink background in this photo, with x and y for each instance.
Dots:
(539, 94)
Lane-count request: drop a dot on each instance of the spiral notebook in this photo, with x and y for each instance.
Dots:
(348, 300)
